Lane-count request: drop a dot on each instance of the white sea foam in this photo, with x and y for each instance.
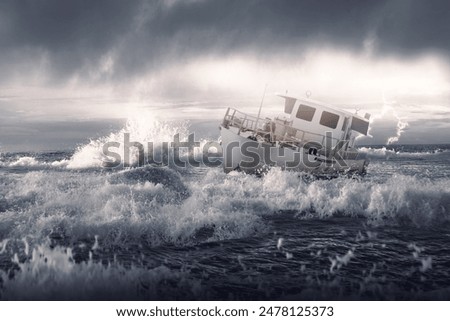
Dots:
(377, 152)
(400, 198)
(143, 129)
(426, 264)
(387, 153)
(119, 206)
(339, 261)
(3, 245)
(161, 206)
(52, 274)
(24, 162)
(280, 243)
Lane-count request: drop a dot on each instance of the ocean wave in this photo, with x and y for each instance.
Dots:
(400, 199)
(143, 129)
(151, 204)
(26, 162)
(160, 206)
(44, 272)
(31, 163)
(48, 217)
(385, 152)
(52, 274)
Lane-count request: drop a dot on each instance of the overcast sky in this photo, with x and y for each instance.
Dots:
(84, 63)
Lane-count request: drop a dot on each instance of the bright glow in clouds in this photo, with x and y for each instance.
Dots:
(394, 91)
(202, 87)
(331, 75)
(327, 73)
(387, 123)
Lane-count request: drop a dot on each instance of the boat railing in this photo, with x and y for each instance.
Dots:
(244, 122)
(275, 130)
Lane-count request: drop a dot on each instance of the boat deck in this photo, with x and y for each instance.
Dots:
(275, 130)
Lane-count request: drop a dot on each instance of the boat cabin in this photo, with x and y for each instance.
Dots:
(316, 131)
(315, 118)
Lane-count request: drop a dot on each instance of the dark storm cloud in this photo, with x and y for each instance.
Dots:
(71, 37)
(409, 27)
(71, 33)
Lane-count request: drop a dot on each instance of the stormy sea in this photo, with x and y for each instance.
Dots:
(71, 229)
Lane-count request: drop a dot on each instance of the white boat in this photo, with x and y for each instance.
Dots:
(311, 136)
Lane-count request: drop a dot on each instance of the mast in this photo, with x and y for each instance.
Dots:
(260, 106)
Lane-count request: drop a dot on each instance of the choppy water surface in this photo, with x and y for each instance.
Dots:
(72, 230)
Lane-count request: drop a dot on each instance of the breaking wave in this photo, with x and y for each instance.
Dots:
(143, 129)
(64, 218)
(149, 203)
(387, 153)
(60, 225)
(52, 274)
(161, 206)
(399, 199)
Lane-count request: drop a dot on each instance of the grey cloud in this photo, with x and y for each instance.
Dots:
(409, 27)
(70, 34)
(71, 37)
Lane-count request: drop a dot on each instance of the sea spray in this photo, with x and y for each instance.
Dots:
(179, 234)
(53, 274)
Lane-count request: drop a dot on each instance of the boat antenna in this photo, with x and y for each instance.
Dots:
(260, 106)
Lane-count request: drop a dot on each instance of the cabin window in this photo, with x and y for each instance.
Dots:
(359, 125)
(329, 119)
(305, 112)
(289, 105)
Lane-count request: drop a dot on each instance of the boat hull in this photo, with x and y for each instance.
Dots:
(243, 152)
